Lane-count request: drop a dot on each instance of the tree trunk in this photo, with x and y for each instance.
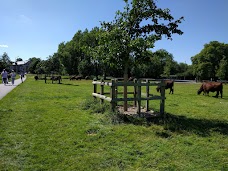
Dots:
(104, 75)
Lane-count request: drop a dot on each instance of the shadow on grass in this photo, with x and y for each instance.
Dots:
(69, 84)
(63, 84)
(181, 124)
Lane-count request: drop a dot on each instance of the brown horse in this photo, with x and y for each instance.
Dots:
(207, 87)
(168, 85)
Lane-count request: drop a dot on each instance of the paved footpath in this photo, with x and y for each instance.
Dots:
(5, 89)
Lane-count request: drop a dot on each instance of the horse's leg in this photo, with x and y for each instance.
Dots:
(204, 92)
(221, 93)
(217, 94)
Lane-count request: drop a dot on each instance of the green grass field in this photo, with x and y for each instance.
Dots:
(44, 127)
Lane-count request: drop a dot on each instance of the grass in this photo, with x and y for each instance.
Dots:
(45, 127)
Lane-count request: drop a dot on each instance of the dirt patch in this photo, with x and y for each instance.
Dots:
(132, 111)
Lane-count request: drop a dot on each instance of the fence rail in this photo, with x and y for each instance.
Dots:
(137, 93)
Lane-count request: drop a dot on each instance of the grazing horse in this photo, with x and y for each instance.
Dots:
(168, 85)
(56, 78)
(206, 87)
(76, 77)
(79, 77)
(73, 78)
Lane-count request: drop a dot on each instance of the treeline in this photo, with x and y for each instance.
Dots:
(76, 58)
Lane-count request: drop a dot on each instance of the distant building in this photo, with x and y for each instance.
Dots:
(20, 66)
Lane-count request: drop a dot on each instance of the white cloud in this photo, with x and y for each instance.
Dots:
(24, 19)
(4, 46)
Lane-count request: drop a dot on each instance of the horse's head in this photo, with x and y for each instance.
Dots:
(200, 90)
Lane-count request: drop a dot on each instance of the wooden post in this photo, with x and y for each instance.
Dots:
(135, 92)
(116, 88)
(147, 94)
(139, 98)
(113, 95)
(102, 90)
(94, 88)
(162, 101)
(45, 78)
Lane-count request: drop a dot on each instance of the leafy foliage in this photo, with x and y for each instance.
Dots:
(134, 31)
(5, 61)
(207, 64)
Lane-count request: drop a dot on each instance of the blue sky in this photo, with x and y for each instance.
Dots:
(34, 28)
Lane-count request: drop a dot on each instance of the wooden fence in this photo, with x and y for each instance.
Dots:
(138, 96)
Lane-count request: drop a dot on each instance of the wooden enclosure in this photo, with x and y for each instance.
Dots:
(138, 95)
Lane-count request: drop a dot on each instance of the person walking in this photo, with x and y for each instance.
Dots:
(13, 76)
(4, 76)
(22, 75)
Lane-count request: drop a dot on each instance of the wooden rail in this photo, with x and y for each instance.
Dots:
(138, 96)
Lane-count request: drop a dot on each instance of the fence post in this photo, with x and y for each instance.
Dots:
(113, 95)
(45, 78)
(135, 92)
(162, 102)
(147, 94)
(116, 88)
(94, 88)
(102, 90)
(139, 97)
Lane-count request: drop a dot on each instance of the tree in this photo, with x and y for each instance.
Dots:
(205, 70)
(78, 50)
(42, 67)
(5, 61)
(183, 70)
(33, 64)
(212, 53)
(84, 67)
(222, 72)
(134, 31)
(19, 59)
(69, 55)
(54, 64)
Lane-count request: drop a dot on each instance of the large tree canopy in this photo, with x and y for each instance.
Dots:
(128, 37)
(211, 61)
(5, 61)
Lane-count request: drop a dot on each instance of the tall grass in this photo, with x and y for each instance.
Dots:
(46, 127)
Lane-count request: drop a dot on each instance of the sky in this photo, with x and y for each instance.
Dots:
(35, 28)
